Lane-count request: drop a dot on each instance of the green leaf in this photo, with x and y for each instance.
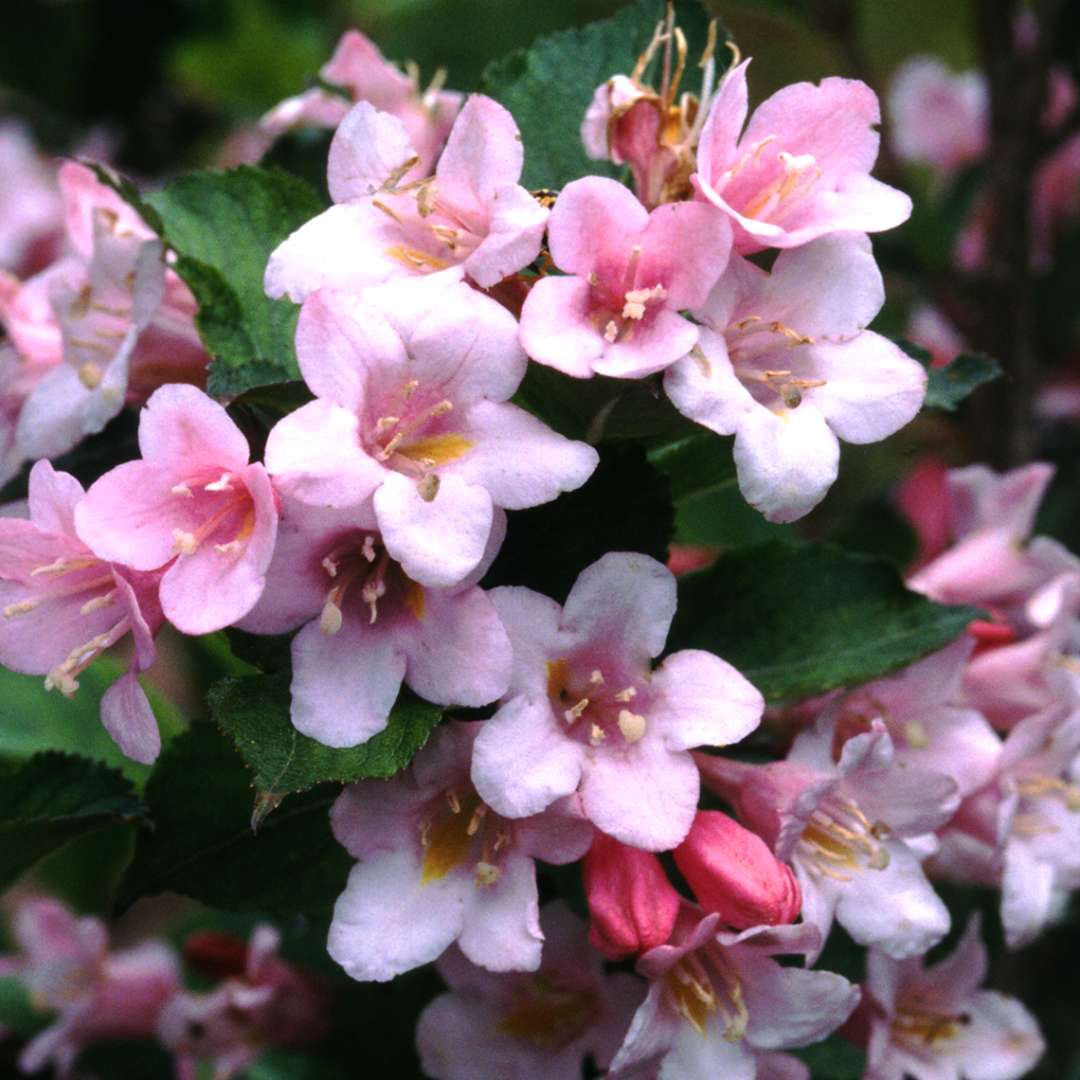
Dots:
(53, 798)
(801, 619)
(17, 1012)
(254, 713)
(948, 386)
(700, 462)
(834, 1059)
(223, 227)
(624, 506)
(202, 843)
(549, 86)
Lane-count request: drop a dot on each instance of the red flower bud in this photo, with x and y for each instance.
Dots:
(733, 872)
(216, 955)
(632, 903)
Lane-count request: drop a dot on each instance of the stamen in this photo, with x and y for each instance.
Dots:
(182, 490)
(96, 604)
(331, 619)
(572, 715)
(184, 543)
(20, 608)
(90, 374)
(487, 873)
(385, 423)
(597, 735)
(596, 678)
(628, 693)
(221, 484)
(63, 566)
(611, 332)
(632, 725)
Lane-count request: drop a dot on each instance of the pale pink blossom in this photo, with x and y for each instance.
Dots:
(632, 273)
(392, 220)
(801, 169)
(268, 1003)
(97, 995)
(30, 212)
(935, 1023)
(786, 364)
(938, 116)
(720, 1005)
(63, 607)
(367, 627)
(929, 328)
(192, 505)
(358, 68)
(632, 905)
(412, 411)
(586, 712)
(844, 827)
(534, 1026)
(439, 866)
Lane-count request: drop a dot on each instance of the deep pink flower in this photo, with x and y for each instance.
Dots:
(391, 220)
(359, 68)
(922, 496)
(267, 1003)
(438, 866)
(801, 168)
(369, 627)
(413, 411)
(632, 905)
(63, 607)
(633, 272)
(935, 1023)
(536, 1026)
(193, 504)
(720, 1005)
(786, 364)
(732, 871)
(844, 826)
(585, 710)
(98, 995)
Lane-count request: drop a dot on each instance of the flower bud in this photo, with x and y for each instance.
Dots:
(632, 903)
(216, 955)
(733, 872)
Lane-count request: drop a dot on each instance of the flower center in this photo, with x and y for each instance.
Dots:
(699, 986)
(459, 828)
(776, 198)
(922, 1024)
(222, 511)
(549, 1011)
(753, 342)
(839, 841)
(594, 709)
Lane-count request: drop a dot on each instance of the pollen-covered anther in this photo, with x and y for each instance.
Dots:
(839, 841)
(385, 423)
(1034, 787)
(182, 491)
(611, 331)
(627, 693)
(916, 735)
(632, 725)
(97, 603)
(185, 543)
(447, 234)
(90, 375)
(20, 608)
(637, 299)
(572, 715)
(597, 735)
(221, 484)
(233, 547)
(596, 677)
(486, 873)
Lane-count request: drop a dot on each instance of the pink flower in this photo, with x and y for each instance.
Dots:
(720, 1005)
(537, 1026)
(63, 607)
(359, 68)
(438, 866)
(30, 215)
(922, 496)
(413, 411)
(802, 167)
(785, 363)
(194, 505)
(267, 1003)
(390, 221)
(934, 1023)
(929, 328)
(632, 905)
(844, 827)
(585, 711)
(634, 271)
(98, 995)
(369, 627)
(938, 117)
(732, 872)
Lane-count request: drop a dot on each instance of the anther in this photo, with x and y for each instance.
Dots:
(21, 608)
(330, 620)
(184, 543)
(626, 694)
(427, 487)
(597, 735)
(96, 604)
(632, 725)
(221, 484)
(182, 490)
(596, 678)
(572, 715)
(487, 873)
(90, 375)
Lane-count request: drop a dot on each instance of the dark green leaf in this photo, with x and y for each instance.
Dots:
(254, 713)
(202, 843)
(625, 506)
(834, 1059)
(801, 619)
(17, 1012)
(223, 226)
(948, 386)
(699, 463)
(549, 85)
(53, 798)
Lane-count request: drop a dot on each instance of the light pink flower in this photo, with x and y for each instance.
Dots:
(633, 272)
(935, 1023)
(391, 220)
(801, 168)
(412, 410)
(844, 828)
(438, 866)
(63, 607)
(720, 1005)
(786, 364)
(929, 328)
(194, 505)
(632, 905)
(267, 1003)
(360, 69)
(585, 711)
(30, 213)
(369, 627)
(537, 1026)
(938, 116)
(67, 967)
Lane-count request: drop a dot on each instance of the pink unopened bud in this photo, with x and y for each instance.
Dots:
(631, 901)
(733, 872)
